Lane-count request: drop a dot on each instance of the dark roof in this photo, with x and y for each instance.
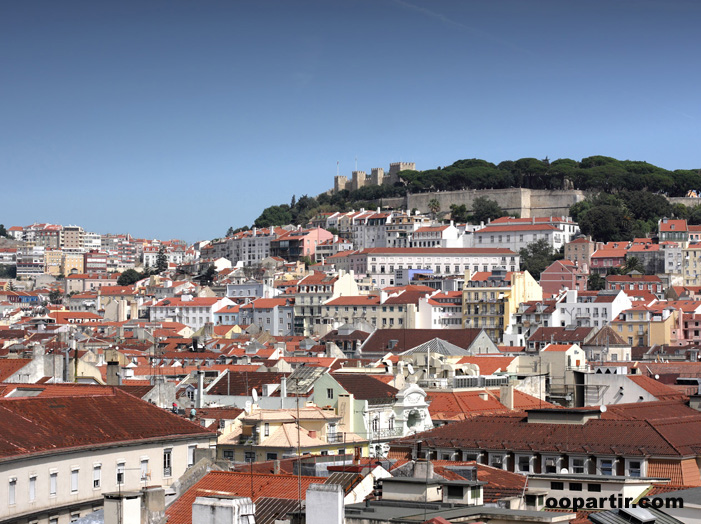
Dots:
(666, 429)
(364, 387)
(558, 335)
(241, 383)
(379, 341)
(85, 420)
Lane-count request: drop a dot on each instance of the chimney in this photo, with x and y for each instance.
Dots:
(114, 377)
(122, 507)
(506, 395)
(283, 387)
(484, 395)
(423, 469)
(200, 389)
(153, 505)
(324, 504)
(222, 510)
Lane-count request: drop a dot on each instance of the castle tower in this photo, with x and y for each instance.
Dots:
(340, 183)
(395, 168)
(360, 179)
(377, 176)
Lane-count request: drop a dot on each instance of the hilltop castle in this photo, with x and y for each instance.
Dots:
(377, 177)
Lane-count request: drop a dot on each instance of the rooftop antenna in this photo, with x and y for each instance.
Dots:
(337, 167)
(356, 163)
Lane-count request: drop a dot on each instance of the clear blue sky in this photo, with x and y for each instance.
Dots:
(182, 118)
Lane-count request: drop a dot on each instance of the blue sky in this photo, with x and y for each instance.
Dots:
(182, 118)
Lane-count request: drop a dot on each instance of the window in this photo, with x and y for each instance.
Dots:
(606, 467)
(228, 454)
(575, 486)
(557, 486)
(578, 465)
(74, 480)
(497, 461)
(634, 468)
(143, 470)
(53, 520)
(549, 465)
(329, 393)
(271, 456)
(594, 488)
(32, 488)
(250, 456)
(455, 492)
(53, 481)
(75, 517)
(120, 473)
(96, 473)
(167, 462)
(12, 491)
(266, 429)
(524, 464)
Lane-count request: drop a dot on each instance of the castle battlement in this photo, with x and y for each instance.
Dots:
(378, 177)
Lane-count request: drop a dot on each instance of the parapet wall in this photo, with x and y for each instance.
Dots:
(525, 202)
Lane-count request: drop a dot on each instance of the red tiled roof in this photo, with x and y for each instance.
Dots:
(435, 251)
(488, 364)
(515, 227)
(364, 387)
(378, 341)
(255, 486)
(10, 366)
(673, 225)
(88, 419)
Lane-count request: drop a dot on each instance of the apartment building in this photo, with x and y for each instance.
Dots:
(315, 290)
(109, 441)
(194, 312)
(491, 298)
(382, 265)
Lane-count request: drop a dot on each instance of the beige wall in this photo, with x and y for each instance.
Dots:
(84, 461)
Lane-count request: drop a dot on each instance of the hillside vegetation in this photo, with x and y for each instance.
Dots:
(595, 173)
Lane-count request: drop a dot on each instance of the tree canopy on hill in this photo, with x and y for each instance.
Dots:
(600, 173)
(595, 173)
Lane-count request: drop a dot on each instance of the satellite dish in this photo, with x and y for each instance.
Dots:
(410, 368)
(564, 471)
(254, 394)
(657, 377)
(603, 409)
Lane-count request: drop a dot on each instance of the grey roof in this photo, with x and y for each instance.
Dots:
(270, 509)
(346, 480)
(690, 496)
(439, 346)
(623, 516)
(96, 517)
(302, 379)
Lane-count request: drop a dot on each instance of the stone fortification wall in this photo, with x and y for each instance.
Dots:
(526, 202)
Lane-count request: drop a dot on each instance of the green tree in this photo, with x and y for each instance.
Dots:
(8, 271)
(3, 232)
(274, 216)
(607, 223)
(596, 282)
(129, 277)
(210, 275)
(161, 259)
(459, 213)
(55, 296)
(536, 256)
(307, 260)
(484, 210)
(632, 264)
(434, 206)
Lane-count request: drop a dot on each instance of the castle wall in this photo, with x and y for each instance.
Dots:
(526, 202)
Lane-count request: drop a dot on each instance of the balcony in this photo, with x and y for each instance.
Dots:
(386, 433)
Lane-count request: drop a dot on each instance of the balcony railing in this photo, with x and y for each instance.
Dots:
(386, 433)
